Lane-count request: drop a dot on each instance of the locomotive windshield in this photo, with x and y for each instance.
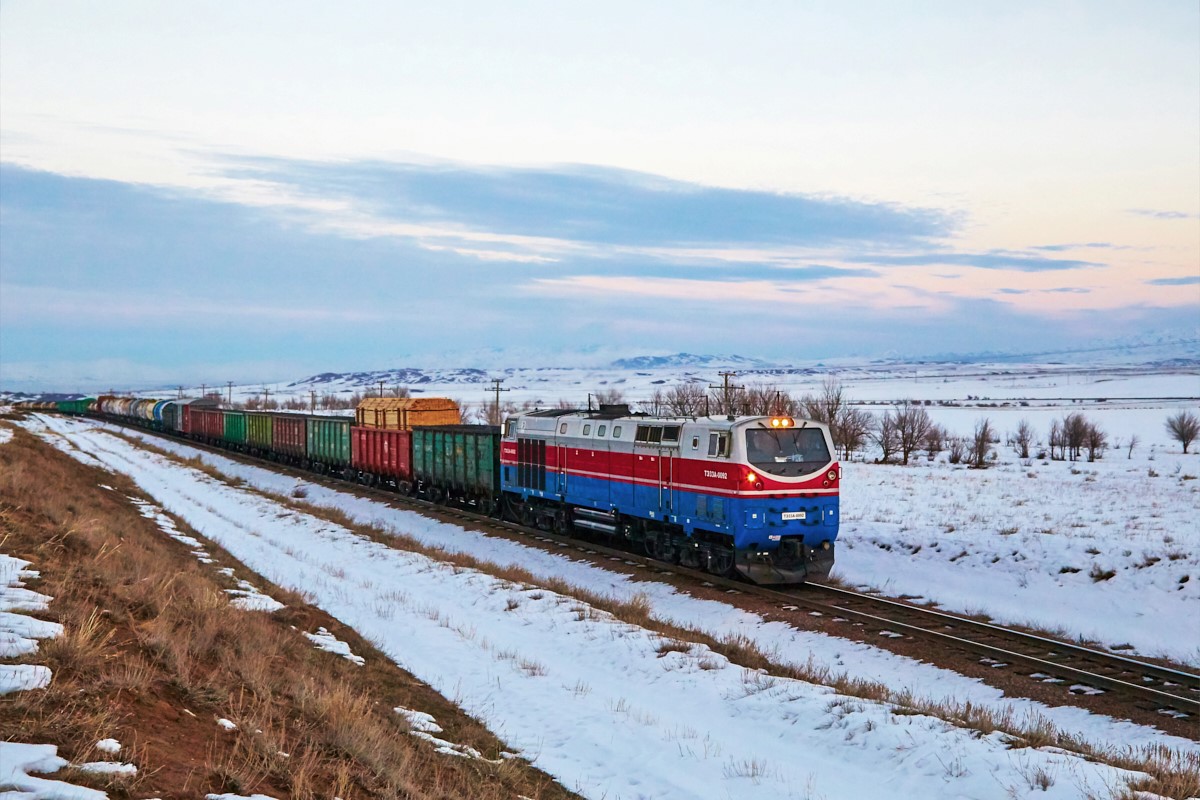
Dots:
(791, 452)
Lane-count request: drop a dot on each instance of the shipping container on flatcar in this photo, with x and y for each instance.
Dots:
(382, 456)
(458, 462)
(260, 430)
(329, 442)
(405, 413)
(289, 435)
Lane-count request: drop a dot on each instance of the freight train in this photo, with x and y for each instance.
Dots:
(755, 496)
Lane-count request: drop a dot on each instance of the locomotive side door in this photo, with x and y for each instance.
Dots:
(666, 483)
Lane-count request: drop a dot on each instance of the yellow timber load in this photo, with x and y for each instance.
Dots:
(404, 413)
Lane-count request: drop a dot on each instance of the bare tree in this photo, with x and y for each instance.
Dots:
(605, 397)
(1095, 440)
(1058, 443)
(1023, 439)
(912, 423)
(1184, 427)
(1075, 431)
(935, 441)
(1133, 442)
(852, 431)
(981, 443)
(886, 437)
(764, 399)
(956, 450)
(685, 400)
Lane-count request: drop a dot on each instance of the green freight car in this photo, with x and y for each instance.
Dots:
(75, 406)
(329, 443)
(260, 431)
(458, 462)
(235, 426)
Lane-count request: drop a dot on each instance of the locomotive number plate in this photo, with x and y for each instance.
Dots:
(793, 515)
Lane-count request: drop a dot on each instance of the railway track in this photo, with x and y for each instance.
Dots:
(1078, 669)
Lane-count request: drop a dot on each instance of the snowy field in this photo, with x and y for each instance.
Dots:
(591, 699)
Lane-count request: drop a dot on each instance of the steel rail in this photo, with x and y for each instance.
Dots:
(1166, 674)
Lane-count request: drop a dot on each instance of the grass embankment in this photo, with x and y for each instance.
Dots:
(1170, 775)
(153, 655)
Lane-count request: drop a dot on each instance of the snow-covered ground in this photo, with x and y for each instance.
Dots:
(591, 699)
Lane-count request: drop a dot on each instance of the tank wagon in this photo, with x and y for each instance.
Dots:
(756, 496)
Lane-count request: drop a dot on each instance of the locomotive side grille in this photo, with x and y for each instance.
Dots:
(531, 464)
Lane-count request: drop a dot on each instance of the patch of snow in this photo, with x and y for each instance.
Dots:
(108, 746)
(108, 768)
(324, 640)
(6, 434)
(23, 677)
(19, 633)
(18, 761)
(248, 598)
(227, 724)
(419, 720)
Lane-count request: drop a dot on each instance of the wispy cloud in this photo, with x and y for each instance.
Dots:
(993, 259)
(1157, 214)
(1058, 248)
(1188, 280)
(1067, 290)
(600, 205)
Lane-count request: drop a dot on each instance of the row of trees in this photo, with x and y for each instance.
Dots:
(899, 433)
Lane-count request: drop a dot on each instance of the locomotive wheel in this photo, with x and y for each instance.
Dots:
(720, 561)
(404, 487)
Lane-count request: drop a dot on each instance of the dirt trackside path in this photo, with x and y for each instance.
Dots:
(154, 654)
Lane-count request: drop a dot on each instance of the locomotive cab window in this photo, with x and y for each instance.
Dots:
(602, 429)
(587, 430)
(616, 431)
(562, 428)
(695, 442)
(670, 433)
(508, 428)
(789, 452)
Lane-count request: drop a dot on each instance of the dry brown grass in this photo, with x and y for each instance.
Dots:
(153, 654)
(1168, 771)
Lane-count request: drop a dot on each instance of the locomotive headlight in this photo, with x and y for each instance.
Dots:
(832, 475)
(751, 477)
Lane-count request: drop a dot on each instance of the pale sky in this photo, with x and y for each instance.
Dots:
(624, 177)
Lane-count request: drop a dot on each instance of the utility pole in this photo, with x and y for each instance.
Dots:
(496, 406)
(381, 388)
(203, 390)
(725, 390)
(180, 392)
(266, 397)
(229, 384)
(312, 401)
